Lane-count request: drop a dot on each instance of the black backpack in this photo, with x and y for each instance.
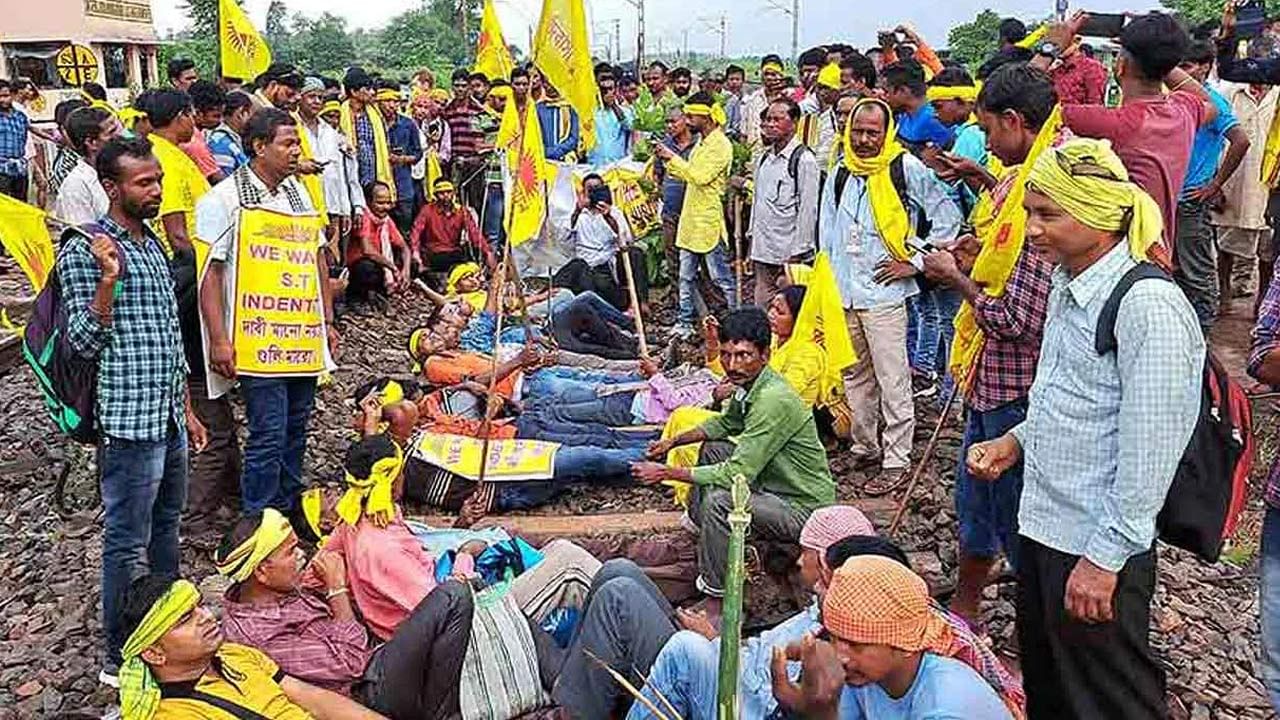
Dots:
(899, 177)
(67, 379)
(1208, 491)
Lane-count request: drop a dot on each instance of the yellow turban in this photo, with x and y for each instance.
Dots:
(371, 496)
(772, 67)
(715, 112)
(892, 221)
(967, 93)
(829, 76)
(139, 691)
(1086, 178)
(458, 273)
(240, 563)
(442, 185)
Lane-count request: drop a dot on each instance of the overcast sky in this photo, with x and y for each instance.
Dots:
(753, 28)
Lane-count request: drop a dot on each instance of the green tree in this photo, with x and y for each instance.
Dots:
(323, 45)
(276, 32)
(973, 42)
(1194, 12)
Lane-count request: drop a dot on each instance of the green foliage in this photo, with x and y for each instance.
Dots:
(1194, 12)
(973, 42)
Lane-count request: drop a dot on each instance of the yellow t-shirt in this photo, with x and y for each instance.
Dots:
(258, 690)
(182, 187)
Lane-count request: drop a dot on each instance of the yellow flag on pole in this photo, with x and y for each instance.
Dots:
(562, 52)
(493, 57)
(527, 206)
(25, 236)
(244, 53)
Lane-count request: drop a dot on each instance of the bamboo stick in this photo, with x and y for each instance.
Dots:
(924, 460)
(635, 303)
(731, 612)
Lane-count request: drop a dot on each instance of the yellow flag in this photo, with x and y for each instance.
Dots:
(527, 205)
(245, 54)
(25, 236)
(562, 52)
(493, 57)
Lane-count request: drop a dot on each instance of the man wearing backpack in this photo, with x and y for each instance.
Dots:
(871, 212)
(1104, 435)
(784, 214)
(143, 414)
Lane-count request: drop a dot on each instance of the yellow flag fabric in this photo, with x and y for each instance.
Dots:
(508, 461)
(562, 52)
(1002, 234)
(381, 151)
(244, 53)
(25, 236)
(821, 319)
(891, 217)
(493, 57)
(527, 206)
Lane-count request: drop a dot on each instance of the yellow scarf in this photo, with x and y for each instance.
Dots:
(1086, 178)
(1002, 234)
(312, 182)
(312, 507)
(381, 152)
(371, 496)
(891, 217)
(139, 691)
(1271, 155)
(270, 535)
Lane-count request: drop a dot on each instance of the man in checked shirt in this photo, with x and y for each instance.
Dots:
(1013, 106)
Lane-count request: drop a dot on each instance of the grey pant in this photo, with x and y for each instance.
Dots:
(215, 472)
(626, 621)
(771, 519)
(1196, 259)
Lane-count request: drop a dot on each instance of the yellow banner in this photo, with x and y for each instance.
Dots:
(277, 322)
(245, 54)
(25, 236)
(639, 207)
(509, 460)
(562, 52)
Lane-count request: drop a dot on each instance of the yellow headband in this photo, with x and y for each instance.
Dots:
(386, 94)
(415, 338)
(312, 506)
(442, 186)
(438, 94)
(270, 535)
(966, 93)
(829, 76)
(139, 691)
(130, 115)
(715, 112)
(458, 273)
(1087, 179)
(771, 66)
(372, 495)
(331, 106)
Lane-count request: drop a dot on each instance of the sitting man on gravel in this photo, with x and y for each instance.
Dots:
(886, 657)
(778, 451)
(441, 470)
(388, 570)
(176, 665)
(305, 621)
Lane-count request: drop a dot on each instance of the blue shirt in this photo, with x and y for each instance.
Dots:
(14, 126)
(477, 336)
(1207, 148)
(403, 139)
(1104, 434)
(971, 143)
(923, 126)
(848, 233)
(366, 154)
(227, 149)
(613, 136)
(944, 689)
(559, 124)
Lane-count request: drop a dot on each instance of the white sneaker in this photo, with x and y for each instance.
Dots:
(109, 678)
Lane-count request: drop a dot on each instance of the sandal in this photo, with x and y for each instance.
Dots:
(884, 483)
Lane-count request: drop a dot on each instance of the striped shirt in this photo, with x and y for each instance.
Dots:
(1104, 434)
(1266, 338)
(142, 373)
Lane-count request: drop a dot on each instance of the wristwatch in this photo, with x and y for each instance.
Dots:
(1049, 50)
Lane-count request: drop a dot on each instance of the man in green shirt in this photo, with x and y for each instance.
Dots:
(777, 450)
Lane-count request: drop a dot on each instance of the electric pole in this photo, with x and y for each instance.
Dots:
(617, 40)
(794, 12)
(686, 46)
(724, 35)
(639, 6)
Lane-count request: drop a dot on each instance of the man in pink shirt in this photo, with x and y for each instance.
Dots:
(1151, 131)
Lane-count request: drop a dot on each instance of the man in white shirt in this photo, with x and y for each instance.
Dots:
(600, 232)
(327, 152)
(81, 198)
(278, 406)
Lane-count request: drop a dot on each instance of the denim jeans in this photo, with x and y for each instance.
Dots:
(923, 331)
(1270, 609)
(686, 673)
(493, 209)
(591, 465)
(717, 266)
(144, 488)
(948, 303)
(582, 405)
(987, 512)
(537, 426)
(277, 410)
(553, 384)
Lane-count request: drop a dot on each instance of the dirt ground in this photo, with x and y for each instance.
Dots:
(1205, 624)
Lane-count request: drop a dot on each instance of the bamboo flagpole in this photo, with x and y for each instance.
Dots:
(635, 301)
(737, 243)
(731, 611)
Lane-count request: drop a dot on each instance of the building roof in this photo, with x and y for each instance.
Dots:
(124, 21)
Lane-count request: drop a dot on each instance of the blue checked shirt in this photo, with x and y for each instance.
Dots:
(366, 153)
(141, 368)
(13, 140)
(1104, 434)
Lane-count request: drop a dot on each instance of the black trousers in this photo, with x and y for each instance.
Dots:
(581, 330)
(605, 281)
(366, 277)
(1075, 670)
(415, 676)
